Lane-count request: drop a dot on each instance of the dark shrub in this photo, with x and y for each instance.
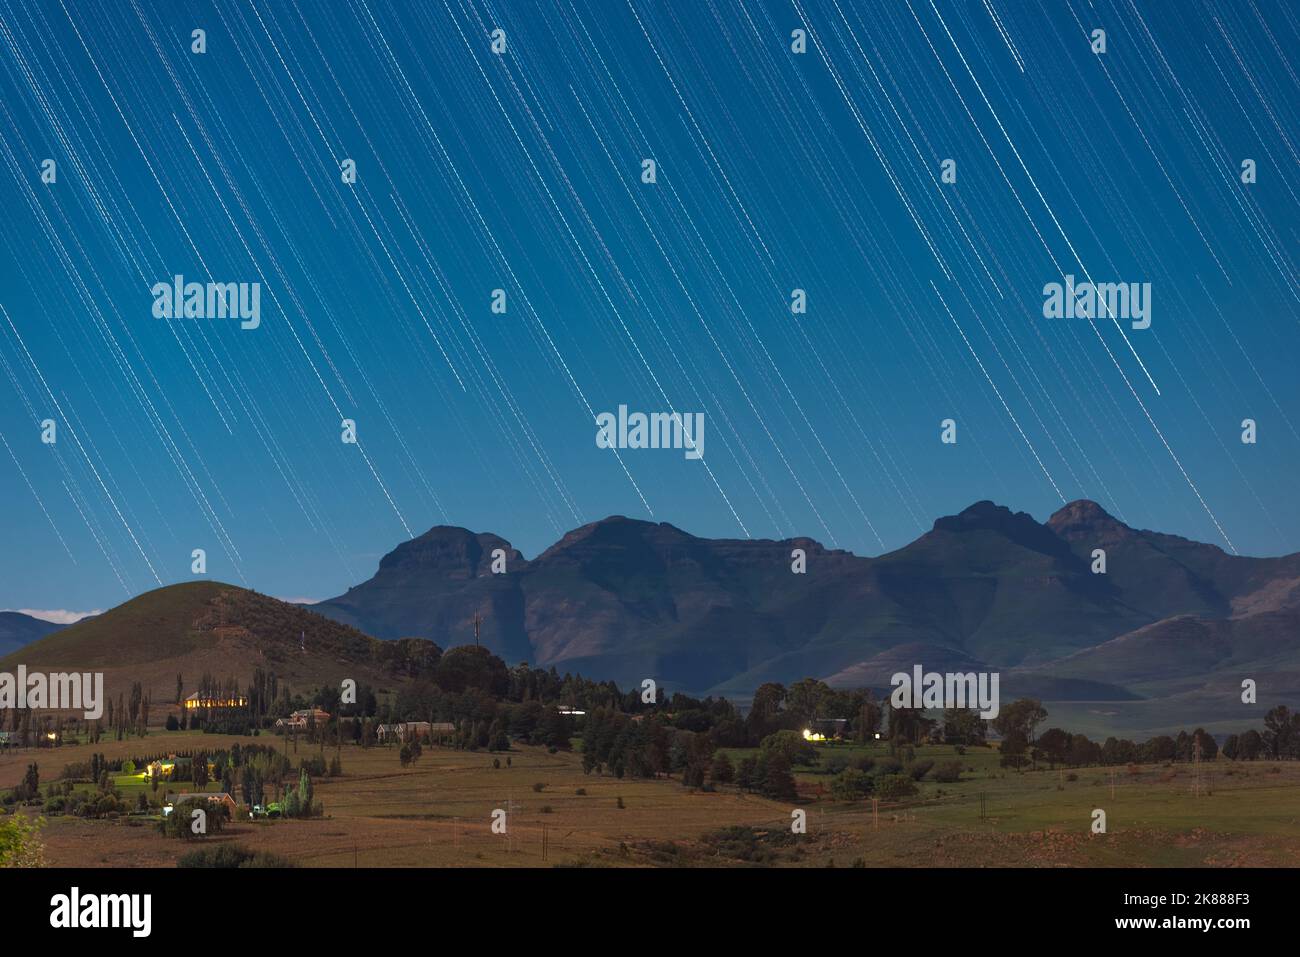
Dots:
(231, 855)
(895, 787)
(947, 772)
(919, 769)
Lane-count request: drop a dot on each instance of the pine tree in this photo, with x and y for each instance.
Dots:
(778, 782)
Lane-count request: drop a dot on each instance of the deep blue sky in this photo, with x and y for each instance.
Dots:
(522, 171)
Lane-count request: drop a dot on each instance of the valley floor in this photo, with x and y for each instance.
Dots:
(438, 813)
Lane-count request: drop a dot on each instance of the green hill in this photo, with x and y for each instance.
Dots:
(220, 629)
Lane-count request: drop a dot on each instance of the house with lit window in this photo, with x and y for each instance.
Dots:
(826, 729)
(173, 768)
(202, 702)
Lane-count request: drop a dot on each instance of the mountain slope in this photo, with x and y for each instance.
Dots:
(434, 584)
(988, 587)
(211, 627)
(17, 630)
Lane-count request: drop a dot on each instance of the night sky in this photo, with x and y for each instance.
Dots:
(523, 171)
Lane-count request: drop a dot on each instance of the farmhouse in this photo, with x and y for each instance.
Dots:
(826, 729)
(163, 770)
(219, 798)
(202, 702)
(302, 719)
(172, 767)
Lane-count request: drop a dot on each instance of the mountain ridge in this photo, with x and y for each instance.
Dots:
(628, 598)
(1171, 627)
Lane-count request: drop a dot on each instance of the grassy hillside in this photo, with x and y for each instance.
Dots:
(159, 623)
(212, 627)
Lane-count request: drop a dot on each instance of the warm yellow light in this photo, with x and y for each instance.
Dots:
(192, 703)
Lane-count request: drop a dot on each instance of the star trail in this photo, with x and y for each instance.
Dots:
(825, 228)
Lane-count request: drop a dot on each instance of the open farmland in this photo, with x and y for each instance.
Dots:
(437, 813)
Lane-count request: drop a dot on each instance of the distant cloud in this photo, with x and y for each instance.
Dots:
(59, 616)
(301, 601)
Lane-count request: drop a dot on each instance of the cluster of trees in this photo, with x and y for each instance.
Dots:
(300, 801)
(180, 822)
(266, 697)
(468, 686)
(1059, 747)
(259, 771)
(649, 746)
(1022, 745)
(482, 720)
(491, 704)
(770, 771)
(626, 747)
(318, 767)
(1280, 738)
(652, 745)
(250, 771)
(125, 716)
(768, 774)
(63, 797)
(777, 708)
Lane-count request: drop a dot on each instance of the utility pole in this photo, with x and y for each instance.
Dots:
(478, 620)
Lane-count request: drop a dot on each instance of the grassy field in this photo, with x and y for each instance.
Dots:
(438, 813)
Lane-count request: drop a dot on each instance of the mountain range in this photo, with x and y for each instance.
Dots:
(986, 589)
(1165, 634)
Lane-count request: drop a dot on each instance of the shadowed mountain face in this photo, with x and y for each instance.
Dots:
(433, 585)
(985, 589)
(17, 630)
